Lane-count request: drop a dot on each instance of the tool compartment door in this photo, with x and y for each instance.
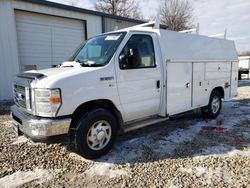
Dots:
(179, 78)
(199, 94)
(234, 79)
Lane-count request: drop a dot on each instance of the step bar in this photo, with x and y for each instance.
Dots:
(144, 123)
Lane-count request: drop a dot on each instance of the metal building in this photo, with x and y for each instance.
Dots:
(36, 34)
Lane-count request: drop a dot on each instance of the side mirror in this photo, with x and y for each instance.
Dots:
(122, 57)
(122, 61)
(126, 61)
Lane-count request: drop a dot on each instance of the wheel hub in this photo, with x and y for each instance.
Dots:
(215, 104)
(100, 135)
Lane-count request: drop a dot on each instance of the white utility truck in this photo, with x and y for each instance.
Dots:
(244, 66)
(124, 80)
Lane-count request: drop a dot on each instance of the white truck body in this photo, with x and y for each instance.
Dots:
(244, 67)
(187, 69)
(244, 62)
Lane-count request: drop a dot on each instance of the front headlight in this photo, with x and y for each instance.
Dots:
(47, 102)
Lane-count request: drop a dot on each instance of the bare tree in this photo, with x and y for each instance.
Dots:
(125, 8)
(176, 14)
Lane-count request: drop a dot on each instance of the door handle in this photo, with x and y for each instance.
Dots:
(188, 85)
(158, 84)
(227, 85)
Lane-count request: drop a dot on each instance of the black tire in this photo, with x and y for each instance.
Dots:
(83, 125)
(208, 112)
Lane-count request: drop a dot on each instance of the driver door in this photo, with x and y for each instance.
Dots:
(138, 77)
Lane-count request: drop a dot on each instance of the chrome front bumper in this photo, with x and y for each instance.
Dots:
(37, 127)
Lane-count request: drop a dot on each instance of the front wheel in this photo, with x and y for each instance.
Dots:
(95, 133)
(212, 110)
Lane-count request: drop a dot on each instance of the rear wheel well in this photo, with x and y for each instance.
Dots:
(101, 103)
(220, 90)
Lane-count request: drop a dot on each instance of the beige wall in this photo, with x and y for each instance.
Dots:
(112, 24)
(8, 49)
(94, 23)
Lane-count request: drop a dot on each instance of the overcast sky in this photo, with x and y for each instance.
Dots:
(213, 17)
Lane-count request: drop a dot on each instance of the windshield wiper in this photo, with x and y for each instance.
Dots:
(88, 63)
(91, 65)
(81, 60)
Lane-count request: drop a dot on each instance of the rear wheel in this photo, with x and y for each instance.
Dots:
(95, 133)
(212, 110)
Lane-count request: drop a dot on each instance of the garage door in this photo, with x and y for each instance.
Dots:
(45, 41)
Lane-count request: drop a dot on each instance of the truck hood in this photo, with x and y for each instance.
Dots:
(66, 70)
(66, 67)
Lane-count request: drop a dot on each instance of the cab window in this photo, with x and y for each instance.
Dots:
(138, 53)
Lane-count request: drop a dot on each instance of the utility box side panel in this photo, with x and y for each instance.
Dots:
(218, 74)
(192, 48)
(179, 78)
(199, 93)
(215, 71)
(234, 79)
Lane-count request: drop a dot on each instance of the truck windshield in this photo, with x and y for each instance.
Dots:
(99, 50)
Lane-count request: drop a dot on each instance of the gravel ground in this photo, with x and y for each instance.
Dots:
(186, 151)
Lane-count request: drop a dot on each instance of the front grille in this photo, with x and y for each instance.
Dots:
(20, 97)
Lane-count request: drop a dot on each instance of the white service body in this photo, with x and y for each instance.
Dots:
(244, 67)
(244, 62)
(188, 67)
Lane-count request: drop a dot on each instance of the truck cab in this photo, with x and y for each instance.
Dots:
(121, 81)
